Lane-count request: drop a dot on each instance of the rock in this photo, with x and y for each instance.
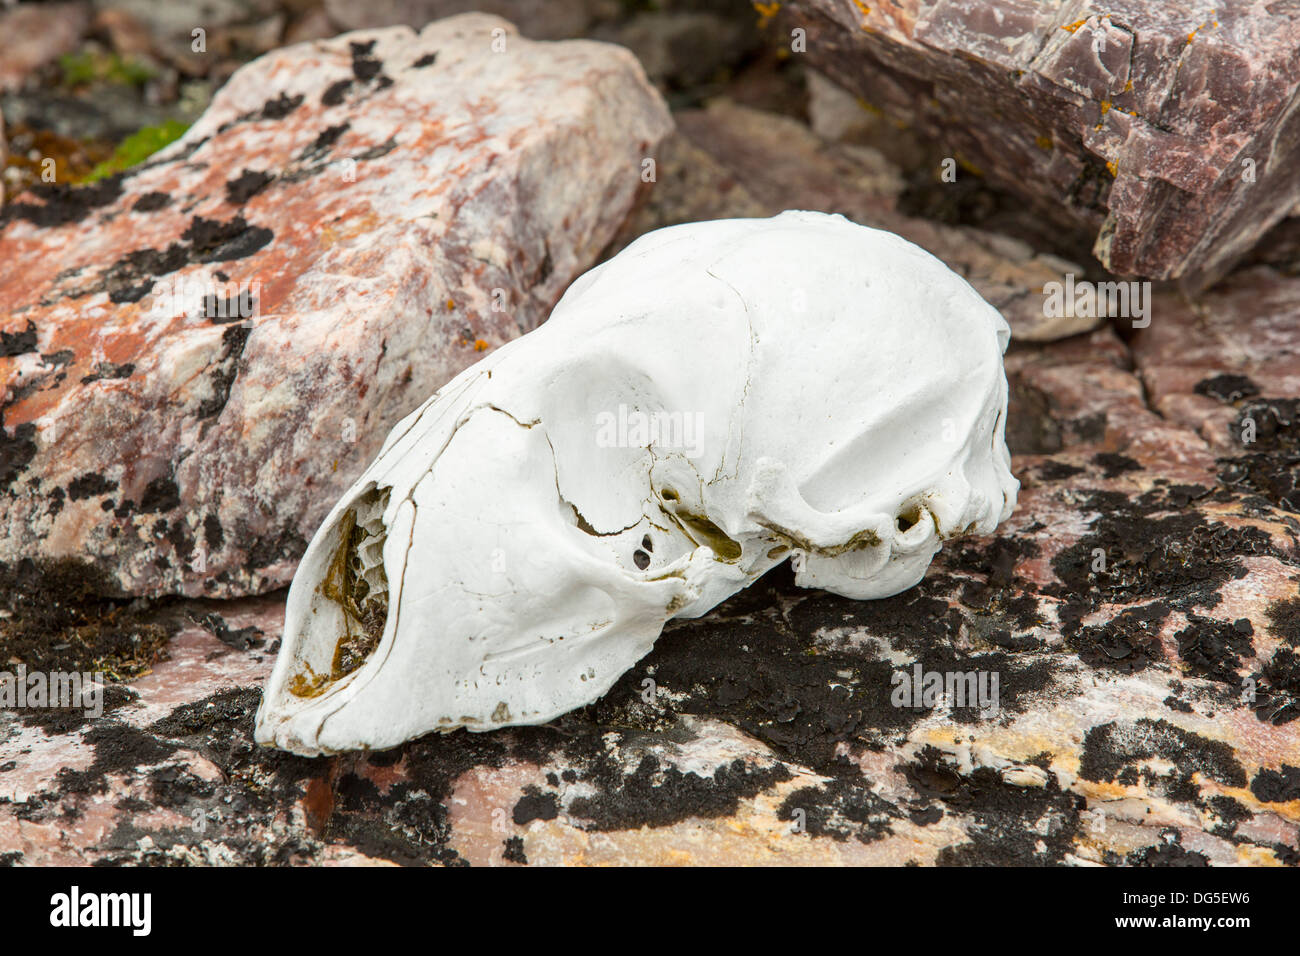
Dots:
(836, 114)
(1139, 611)
(691, 186)
(682, 49)
(249, 40)
(1145, 710)
(313, 24)
(1166, 131)
(1208, 362)
(202, 354)
(538, 19)
(172, 26)
(4, 158)
(780, 164)
(126, 33)
(33, 35)
(100, 116)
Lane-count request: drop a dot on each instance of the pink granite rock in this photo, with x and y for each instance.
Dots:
(1168, 131)
(199, 356)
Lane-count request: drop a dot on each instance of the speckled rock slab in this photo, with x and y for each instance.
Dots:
(198, 357)
(1140, 612)
(1167, 131)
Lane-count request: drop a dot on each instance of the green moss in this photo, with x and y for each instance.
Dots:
(85, 68)
(138, 147)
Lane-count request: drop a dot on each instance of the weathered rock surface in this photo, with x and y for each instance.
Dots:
(1145, 713)
(1202, 361)
(1140, 610)
(1169, 131)
(199, 356)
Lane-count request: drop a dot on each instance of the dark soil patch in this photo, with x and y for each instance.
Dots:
(64, 618)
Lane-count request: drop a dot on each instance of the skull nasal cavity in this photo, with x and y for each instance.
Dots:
(909, 518)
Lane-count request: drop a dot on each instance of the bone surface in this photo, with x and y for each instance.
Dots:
(717, 399)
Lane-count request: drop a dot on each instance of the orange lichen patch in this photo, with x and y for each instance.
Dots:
(1072, 27)
(1105, 107)
(348, 228)
(480, 345)
(1208, 23)
(1114, 169)
(766, 11)
(863, 8)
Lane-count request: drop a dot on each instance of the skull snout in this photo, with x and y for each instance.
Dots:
(486, 629)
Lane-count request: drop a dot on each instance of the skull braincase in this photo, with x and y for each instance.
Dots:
(716, 399)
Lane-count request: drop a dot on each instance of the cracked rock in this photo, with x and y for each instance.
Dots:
(1167, 132)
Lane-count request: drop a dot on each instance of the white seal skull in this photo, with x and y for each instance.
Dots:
(716, 399)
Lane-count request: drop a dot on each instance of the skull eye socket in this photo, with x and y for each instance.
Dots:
(641, 559)
(647, 544)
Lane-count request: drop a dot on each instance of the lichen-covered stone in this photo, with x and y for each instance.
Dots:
(1168, 131)
(1140, 611)
(200, 355)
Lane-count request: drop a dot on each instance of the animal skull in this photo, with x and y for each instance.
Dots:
(716, 399)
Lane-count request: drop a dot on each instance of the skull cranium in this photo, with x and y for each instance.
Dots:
(716, 399)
